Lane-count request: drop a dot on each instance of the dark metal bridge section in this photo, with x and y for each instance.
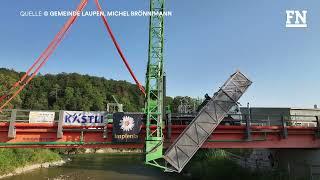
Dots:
(202, 126)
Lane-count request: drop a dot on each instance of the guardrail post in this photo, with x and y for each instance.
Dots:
(12, 128)
(60, 128)
(248, 130)
(105, 128)
(284, 127)
(169, 130)
(105, 131)
(318, 126)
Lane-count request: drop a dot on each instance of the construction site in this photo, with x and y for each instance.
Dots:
(169, 134)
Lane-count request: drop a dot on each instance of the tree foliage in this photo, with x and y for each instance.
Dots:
(71, 92)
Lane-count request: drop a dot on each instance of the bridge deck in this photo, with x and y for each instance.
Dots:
(45, 136)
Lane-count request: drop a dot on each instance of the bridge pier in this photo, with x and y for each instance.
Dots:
(299, 163)
(296, 163)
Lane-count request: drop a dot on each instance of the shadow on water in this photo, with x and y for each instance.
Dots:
(99, 166)
(132, 164)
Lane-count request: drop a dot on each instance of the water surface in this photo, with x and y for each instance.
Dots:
(98, 166)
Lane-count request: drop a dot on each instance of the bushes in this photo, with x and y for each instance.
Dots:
(11, 159)
(214, 164)
(217, 169)
(64, 151)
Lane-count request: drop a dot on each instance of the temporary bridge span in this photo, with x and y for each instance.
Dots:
(181, 141)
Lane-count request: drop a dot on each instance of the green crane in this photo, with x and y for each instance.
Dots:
(154, 85)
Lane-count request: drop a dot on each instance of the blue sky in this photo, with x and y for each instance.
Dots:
(206, 41)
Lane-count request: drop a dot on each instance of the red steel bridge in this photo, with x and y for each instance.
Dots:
(16, 131)
(181, 141)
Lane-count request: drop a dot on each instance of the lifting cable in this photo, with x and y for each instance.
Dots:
(43, 58)
(104, 19)
(34, 69)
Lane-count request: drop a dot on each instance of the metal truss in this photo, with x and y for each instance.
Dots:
(193, 137)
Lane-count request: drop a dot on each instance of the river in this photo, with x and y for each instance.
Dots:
(96, 167)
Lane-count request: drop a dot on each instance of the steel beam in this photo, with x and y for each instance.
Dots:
(195, 135)
(154, 84)
(44, 136)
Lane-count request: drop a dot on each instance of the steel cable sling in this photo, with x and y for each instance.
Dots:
(105, 22)
(40, 62)
(25, 79)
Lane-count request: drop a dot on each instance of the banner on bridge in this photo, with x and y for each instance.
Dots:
(41, 117)
(85, 118)
(126, 127)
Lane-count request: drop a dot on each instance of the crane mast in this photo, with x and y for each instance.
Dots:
(154, 85)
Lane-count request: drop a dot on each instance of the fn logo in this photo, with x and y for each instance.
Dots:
(296, 18)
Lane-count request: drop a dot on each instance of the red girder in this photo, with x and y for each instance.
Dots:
(224, 137)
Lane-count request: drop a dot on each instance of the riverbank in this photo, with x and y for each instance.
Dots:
(28, 168)
(17, 161)
(70, 151)
(121, 164)
(99, 167)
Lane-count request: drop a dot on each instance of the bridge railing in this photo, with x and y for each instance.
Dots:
(9, 118)
(237, 119)
(5, 115)
(14, 116)
(248, 120)
(22, 116)
(257, 119)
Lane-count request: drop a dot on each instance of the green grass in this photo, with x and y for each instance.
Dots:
(11, 159)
